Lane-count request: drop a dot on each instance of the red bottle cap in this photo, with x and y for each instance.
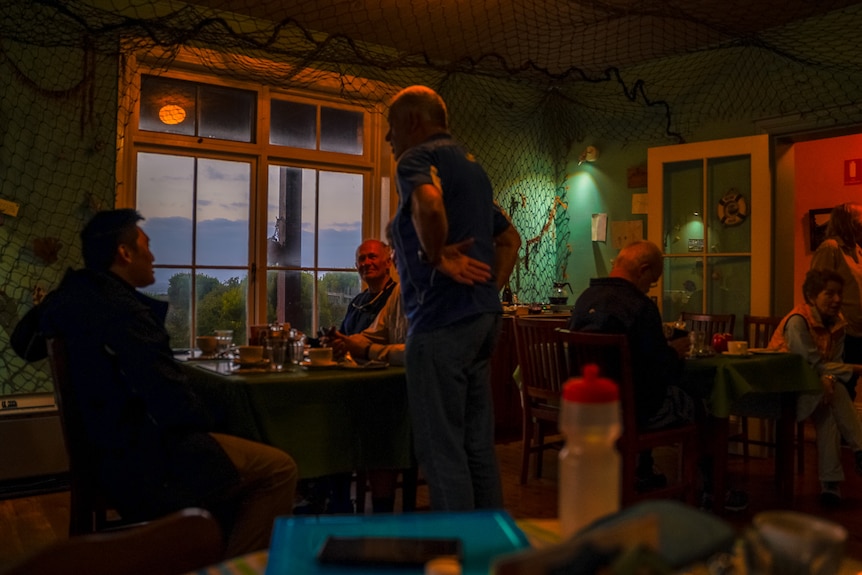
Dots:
(591, 388)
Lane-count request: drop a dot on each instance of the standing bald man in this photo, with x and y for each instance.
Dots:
(455, 249)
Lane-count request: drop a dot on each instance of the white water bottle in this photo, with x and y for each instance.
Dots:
(589, 480)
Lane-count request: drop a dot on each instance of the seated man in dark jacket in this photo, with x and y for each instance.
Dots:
(147, 430)
(619, 304)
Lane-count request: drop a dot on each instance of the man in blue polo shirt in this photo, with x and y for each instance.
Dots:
(455, 249)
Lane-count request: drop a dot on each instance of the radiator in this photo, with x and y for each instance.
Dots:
(31, 439)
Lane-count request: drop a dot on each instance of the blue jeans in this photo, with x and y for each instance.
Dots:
(452, 413)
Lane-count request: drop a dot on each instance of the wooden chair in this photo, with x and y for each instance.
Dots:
(709, 323)
(541, 379)
(611, 354)
(89, 511)
(184, 541)
(757, 331)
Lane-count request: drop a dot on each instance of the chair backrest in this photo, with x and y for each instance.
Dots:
(82, 475)
(184, 541)
(757, 330)
(709, 323)
(611, 353)
(536, 343)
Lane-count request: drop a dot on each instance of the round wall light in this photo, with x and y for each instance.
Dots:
(171, 114)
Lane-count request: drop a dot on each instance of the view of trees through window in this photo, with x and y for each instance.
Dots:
(221, 304)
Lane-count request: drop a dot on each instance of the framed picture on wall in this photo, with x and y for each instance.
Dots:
(817, 220)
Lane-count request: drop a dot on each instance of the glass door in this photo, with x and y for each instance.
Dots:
(710, 212)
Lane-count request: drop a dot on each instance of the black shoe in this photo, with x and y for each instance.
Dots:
(830, 494)
(733, 500)
(649, 481)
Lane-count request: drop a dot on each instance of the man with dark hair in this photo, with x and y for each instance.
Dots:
(146, 429)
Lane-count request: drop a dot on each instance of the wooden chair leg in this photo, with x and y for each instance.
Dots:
(540, 448)
(526, 439)
(361, 479)
(800, 447)
(409, 484)
(745, 443)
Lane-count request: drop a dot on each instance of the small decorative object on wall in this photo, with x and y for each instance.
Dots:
(817, 221)
(732, 208)
(695, 245)
(46, 249)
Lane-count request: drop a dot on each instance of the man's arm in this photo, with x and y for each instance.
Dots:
(432, 227)
(429, 218)
(506, 246)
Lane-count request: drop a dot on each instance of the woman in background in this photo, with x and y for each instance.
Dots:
(841, 252)
(815, 330)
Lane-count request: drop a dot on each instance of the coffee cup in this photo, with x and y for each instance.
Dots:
(250, 353)
(319, 355)
(737, 347)
(207, 344)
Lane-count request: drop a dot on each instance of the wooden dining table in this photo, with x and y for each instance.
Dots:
(330, 420)
(764, 385)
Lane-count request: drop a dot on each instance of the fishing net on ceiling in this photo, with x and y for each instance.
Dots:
(527, 83)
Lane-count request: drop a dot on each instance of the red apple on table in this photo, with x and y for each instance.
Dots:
(719, 341)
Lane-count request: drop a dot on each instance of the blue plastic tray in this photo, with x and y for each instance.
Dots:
(485, 535)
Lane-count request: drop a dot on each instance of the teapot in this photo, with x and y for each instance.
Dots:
(558, 295)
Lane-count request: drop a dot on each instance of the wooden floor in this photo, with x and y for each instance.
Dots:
(28, 523)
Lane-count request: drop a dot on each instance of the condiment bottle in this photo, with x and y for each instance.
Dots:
(589, 480)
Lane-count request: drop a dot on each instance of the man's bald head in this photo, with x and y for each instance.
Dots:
(640, 263)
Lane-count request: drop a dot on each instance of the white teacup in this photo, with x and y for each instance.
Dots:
(737, 347)
(319, 355)
(250, 353)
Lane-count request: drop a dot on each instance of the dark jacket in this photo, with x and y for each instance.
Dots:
(614, 305)
(145, 427)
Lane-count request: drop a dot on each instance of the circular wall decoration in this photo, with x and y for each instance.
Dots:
(732, 208)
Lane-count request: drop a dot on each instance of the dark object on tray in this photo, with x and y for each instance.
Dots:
(558, 300)
(403, 551)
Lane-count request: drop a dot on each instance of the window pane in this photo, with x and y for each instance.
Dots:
(729, 285)
(167, 105)
(729, 200)
(224, 190)
(221, 302)
(227, 113)
(683, 201)
(291, 217)
(341, 131)
(165, 189)
(683, 287)
(293, 124)
(340, 219)
(288, 298)
(334, 292)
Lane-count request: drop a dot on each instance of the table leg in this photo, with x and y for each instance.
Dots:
(785, 436)
(717, 428)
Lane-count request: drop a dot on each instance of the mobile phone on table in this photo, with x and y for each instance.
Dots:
(404, 551)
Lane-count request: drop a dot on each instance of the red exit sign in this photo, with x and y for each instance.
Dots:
(853, 171)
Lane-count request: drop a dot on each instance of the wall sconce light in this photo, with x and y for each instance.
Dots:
(591, 154)
(171, 114)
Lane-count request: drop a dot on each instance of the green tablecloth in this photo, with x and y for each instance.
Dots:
(723, 380)
(329, 421)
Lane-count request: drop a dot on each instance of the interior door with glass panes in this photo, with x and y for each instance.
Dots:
(710, 211)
